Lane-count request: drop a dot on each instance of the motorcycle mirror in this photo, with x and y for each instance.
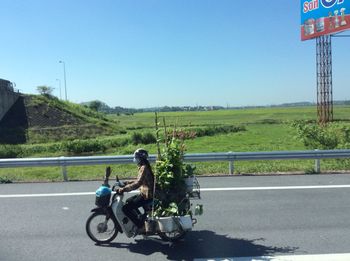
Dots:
(108, 172)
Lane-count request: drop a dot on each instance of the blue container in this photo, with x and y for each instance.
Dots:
(103, 196)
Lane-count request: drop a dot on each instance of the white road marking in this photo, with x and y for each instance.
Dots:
(326, 257)
(47, 195)
(65, 208)
(276, 188)
(202, 190)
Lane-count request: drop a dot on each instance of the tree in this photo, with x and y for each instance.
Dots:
(45, 90)
(95, 105)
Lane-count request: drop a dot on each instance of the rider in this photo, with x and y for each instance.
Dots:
(144, 181)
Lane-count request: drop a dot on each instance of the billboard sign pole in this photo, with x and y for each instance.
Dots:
(324, 79)
(324, 17)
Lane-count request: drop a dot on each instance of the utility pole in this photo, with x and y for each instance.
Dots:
(59, 85)
(65, 81)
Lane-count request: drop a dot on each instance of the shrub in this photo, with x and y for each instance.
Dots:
(136, 138)
(182, 134)
(206, 131)
(5, 180)
(117, 142)
(45, 90)
(314, 136)
(145, 138)
(148, 138)
(83, 146)
(41, 148)
(11, 151)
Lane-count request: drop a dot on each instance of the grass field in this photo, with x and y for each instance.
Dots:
(236, 117)
(267, 129)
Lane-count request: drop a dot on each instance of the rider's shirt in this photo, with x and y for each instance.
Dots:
(144, 181)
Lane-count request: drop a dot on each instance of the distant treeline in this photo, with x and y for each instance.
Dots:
(103, 107)
(163, 109)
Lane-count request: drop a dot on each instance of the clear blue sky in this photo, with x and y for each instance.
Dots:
(149, 53)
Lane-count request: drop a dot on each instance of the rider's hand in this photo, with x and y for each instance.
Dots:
(120, 191)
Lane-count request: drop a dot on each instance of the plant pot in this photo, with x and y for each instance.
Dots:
(185, 222)
(166, 224)
(151, 225)
(170, 224)
(189, 183)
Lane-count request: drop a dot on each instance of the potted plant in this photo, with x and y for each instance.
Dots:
(170, 172)
(188, 170)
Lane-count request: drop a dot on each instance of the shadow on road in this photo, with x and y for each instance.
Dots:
(205, 244)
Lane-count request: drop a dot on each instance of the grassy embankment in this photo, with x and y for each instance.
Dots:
(267, 129)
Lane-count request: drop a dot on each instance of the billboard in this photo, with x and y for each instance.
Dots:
(323, 17)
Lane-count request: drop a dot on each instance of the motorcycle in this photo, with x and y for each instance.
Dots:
(108, 218)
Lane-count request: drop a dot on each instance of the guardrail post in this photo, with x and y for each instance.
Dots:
(317, 165)
(231, 168)
(64, 169)
(231, 164)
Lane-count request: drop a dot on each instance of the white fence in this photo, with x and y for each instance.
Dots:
(231, 157)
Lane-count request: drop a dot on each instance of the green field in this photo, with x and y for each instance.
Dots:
(266, 129)
(239, 116)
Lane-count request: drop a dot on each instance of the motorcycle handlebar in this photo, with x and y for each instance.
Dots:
(118, 184)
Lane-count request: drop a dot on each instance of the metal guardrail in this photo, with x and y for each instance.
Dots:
(198, 157)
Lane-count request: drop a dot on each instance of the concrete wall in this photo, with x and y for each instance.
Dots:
(7, 97)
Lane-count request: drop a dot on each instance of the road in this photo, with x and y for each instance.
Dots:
(244, 216)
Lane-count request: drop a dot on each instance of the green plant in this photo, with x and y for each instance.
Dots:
(311, 170)
(171, 210)
(191, 133)
(83, 146)
(182, 134)
(331, 136)
(148, 138)
(188, 170)
(315, 136)
(136, 138)
(169, 166)
(117, 142)
(145, 138)
(95, 105)
(5, 180)
(11, 151)
(169, 171)
(45, 90)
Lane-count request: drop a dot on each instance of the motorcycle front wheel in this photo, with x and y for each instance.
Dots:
(172, 236)
(101, 228)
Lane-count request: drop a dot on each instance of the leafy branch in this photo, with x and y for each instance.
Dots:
(170, 172)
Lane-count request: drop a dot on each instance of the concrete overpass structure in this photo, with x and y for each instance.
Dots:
(8, 96)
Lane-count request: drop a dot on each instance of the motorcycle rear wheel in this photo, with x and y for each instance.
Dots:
(172, 236)
(101, 228)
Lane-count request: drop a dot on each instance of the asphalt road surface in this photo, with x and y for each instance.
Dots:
(243, 217)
